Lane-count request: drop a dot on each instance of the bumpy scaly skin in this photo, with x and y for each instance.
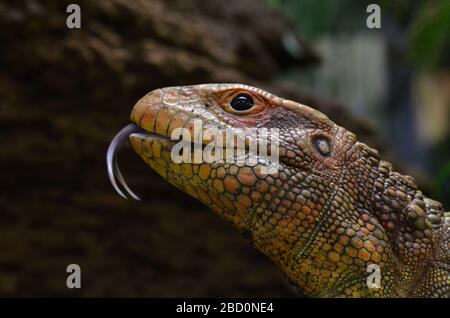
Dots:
(321, 218)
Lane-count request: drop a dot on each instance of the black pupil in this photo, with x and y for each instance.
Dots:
(242, 102)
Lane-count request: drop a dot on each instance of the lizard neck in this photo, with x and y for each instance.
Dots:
(413, 223)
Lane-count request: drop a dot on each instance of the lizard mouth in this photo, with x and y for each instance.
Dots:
(119, 140)
(125, 135)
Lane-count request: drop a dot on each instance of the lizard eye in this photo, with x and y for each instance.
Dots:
(242, 102)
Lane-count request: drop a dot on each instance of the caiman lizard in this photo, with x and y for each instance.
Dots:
(331, 209)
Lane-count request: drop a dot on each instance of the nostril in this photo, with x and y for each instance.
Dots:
(152, 97)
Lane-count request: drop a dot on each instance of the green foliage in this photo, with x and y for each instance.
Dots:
(442, 183)
(429, 30)
(431, 35)
(315, 17)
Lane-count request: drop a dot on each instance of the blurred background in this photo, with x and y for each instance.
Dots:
(64, 93)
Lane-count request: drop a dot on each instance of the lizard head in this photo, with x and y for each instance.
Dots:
(311, 215)
(309, 146)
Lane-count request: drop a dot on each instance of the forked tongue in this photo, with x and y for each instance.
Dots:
(114, 174)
